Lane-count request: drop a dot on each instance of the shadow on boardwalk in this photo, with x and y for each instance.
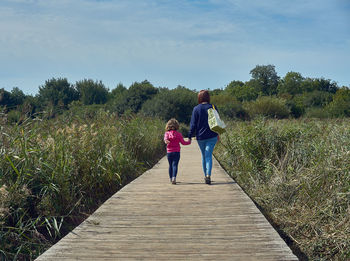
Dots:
(212, 184)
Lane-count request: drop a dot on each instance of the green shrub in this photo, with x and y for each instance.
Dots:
(340, 106)
(315, 112)
(88, 112)
(184, 129)
(228, 106)
(13, 116)
(267, 106)
(296, 105)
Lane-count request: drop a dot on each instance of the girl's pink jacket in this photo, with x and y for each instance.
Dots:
(175, 139)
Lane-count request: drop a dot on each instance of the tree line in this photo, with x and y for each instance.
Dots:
(265, 94)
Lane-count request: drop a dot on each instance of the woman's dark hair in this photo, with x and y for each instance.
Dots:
(203, 96)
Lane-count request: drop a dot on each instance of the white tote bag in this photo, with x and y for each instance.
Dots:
(215, 123)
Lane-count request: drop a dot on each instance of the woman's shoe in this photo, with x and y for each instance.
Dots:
(174, 181)
(207, 180)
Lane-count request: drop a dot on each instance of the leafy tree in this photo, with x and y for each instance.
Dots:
(12, 99)
(319, 84)
(326, 85)
(230, 89)
(118, 91)
(134, 97)
(91, 92)
(316, 98)
(5, 98)
(177, 103)
(266, 78)
(57, 92)
(17, 96)
(291, 83)
(232, 85)
(307, 85)
(215, 92)
(242, 91)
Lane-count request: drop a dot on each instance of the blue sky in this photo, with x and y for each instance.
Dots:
(198, 44)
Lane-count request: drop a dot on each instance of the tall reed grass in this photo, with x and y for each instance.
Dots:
(56, 172)
(298, 172)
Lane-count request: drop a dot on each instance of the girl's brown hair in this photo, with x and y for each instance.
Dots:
(203, 96)
(172, 124)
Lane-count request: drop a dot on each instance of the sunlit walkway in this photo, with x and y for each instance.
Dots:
(150, 219)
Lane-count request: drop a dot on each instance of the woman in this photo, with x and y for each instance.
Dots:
(205, 137)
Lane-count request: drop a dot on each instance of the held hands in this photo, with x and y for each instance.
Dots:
(188, 140)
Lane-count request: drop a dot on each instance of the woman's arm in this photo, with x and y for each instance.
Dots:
(192, 131)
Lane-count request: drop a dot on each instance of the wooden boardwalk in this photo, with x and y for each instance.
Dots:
(150, 219)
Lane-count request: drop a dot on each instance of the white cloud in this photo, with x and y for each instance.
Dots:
(131, 40)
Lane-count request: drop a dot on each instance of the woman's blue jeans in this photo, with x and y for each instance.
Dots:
(207, 147)
(173, 159)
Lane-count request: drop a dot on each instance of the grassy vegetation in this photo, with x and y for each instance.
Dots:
(298, 172)
(56, 172)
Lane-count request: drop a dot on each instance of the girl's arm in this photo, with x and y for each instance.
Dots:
(182, 141)
(166, 138)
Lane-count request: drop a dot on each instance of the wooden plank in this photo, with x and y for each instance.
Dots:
(151, 219)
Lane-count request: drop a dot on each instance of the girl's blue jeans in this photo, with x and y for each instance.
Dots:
(207, 147)
(173, 159)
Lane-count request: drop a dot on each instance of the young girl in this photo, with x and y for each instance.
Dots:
(173, 138)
